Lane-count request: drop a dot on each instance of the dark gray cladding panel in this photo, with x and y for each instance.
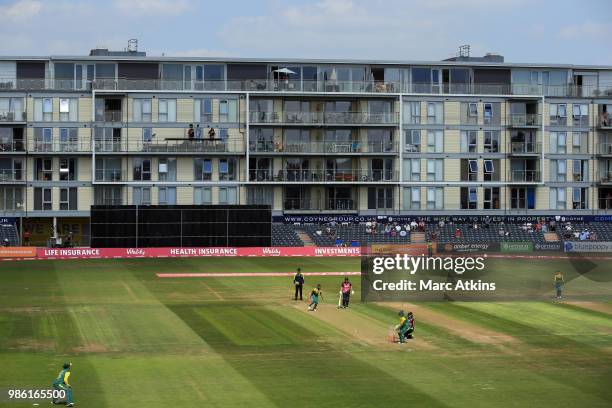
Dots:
(246, 71)
(31, 70)
(138, 70)
(491, 76)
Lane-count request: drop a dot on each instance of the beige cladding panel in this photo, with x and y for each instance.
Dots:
(84, 198)
(84, 169)
(55, 104)
(451, 198)
(184, 110)
(542, 198)
(185, 168)
(452, 113)
(85, 109)
(184, 195)
(452, 169)
(452, 141)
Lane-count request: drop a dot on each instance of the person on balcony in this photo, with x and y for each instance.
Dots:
(198, 132)
(211, 133)
(190, 132)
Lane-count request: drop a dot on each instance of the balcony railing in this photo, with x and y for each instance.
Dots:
(341, 176)
(525, 119)
(322, 118)
(605, 177)
(10, 175)
(580, 120)
(296, 85)
(605, 149)
(605, 203)
(325, 147)
(171, 145)
(529, 176)
(110, 175)
(8, 116)
(341, 204)
(58, 146)
(524, 148)
(109, 116)
(12, 146)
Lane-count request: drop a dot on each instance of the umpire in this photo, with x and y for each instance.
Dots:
(298, 281)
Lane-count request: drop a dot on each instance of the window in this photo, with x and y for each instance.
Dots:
(202, 196)
(580, 170)
(202, 169)
(435, 169)
(142, 110)
(435, 113)
(263, 195)
(147, 135)
(167, 110)
(166, 195)
(472, 170)
(558, 170)
(469, 140)
(43, 109)
(11, 169)
(412, 169)
(473, 109)
(107, 195)
(558, 142)
(489, 170)
(68, 199)
(488, 113)
(469, 113)
(67, 169)
(435, 198)
(491, 141)
(579, 142)
(469, 198)
(381, 169)
(141, 196)
(228, 111)
(142, 169)
(491, 198)
(435, 141)
(42, 199)
(558, 114)
(11, 198)
(380, 198)
(412, 112)
(227, 169)
(43, 169)
(167, 169)
(412, 198)
(413, 140)
(203, 111)
(579, 198)
(69, 140)
(227, 195)
(580, 114)
(522, 198)
(68, 109)
(43, 139)
(557, 198)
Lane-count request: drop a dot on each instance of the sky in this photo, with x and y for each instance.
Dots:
(550, 31)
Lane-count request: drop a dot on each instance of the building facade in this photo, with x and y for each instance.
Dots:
(306, 137)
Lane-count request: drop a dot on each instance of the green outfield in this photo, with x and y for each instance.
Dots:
(140, 341)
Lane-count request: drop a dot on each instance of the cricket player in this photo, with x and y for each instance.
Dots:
(61, 383)
(315, 296)
(347, 289)
(405, 327)
(559, 282)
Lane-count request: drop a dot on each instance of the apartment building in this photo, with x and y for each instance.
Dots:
(473, 135)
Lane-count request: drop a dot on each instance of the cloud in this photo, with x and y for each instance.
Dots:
(20, 10)
(153, 7)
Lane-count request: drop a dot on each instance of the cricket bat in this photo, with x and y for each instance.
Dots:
(340, 300)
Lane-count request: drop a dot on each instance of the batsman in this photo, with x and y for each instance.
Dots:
(405, 328)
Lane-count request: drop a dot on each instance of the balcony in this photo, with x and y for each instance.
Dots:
(11, 176)
(604, 149)
(109, 116)
(340, 204)
(605, 177)
(325, 147)
(525, 120)
(324, 118)
(323, 176)
(524, 148)
(526, 176)
(60, 147)
(605, 121)
(12, 117)
(110, 175)
(12, 146)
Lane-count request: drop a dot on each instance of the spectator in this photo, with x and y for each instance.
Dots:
(198, 132)
(457, 233)
(6, 242)
(26, 237)
(211, 133)
(190, 132)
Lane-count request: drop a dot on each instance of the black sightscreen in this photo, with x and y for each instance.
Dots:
(180, 225)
